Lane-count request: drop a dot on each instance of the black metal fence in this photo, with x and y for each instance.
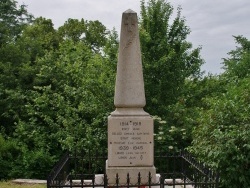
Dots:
(173, 170)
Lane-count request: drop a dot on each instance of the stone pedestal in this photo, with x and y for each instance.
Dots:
(130, 148)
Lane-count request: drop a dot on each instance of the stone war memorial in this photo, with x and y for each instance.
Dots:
(130, 128)
(130, 161)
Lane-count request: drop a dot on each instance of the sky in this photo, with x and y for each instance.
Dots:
(213, 23)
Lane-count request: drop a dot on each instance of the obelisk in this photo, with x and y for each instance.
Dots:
(130, 128)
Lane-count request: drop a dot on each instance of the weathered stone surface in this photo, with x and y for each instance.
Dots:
(130, 141)
(129, 88)
(130, 128)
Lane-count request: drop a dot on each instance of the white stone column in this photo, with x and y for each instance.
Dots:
(130, 128)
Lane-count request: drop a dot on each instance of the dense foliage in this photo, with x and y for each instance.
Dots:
(57, 87)
(169, 61)
(167, 56)
(222, 138)
(55, 92)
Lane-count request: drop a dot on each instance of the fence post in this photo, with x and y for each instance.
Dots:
(117, 180)
(128, 180)
(70, 181)
(149, 179)
(217, 180)
(162, 181)
(139, 180)
(105, 181)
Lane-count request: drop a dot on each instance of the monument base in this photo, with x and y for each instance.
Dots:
(133, 174)
(130, 141)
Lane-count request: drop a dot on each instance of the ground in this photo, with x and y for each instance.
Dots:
(9, 184)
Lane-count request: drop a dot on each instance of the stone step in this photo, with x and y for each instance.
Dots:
(29, 181)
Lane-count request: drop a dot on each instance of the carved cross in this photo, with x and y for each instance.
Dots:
(130, 23)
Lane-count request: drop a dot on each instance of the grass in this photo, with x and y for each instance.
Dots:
(9, 184)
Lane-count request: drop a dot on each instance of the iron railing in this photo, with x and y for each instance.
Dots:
(175, 170)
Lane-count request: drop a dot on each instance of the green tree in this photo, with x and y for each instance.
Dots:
(222, 137)
(237, 65)
(73, 29)
(96, 35)
(19, 68)
(168, 58)
(9, 151)
(92, 33)
(38, 38)
(12, 21)
(68, 107)
(170, 64)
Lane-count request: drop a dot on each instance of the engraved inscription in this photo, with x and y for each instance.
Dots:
(132, 143)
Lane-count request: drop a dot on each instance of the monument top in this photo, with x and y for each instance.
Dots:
(130, 11)
(129, 87)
